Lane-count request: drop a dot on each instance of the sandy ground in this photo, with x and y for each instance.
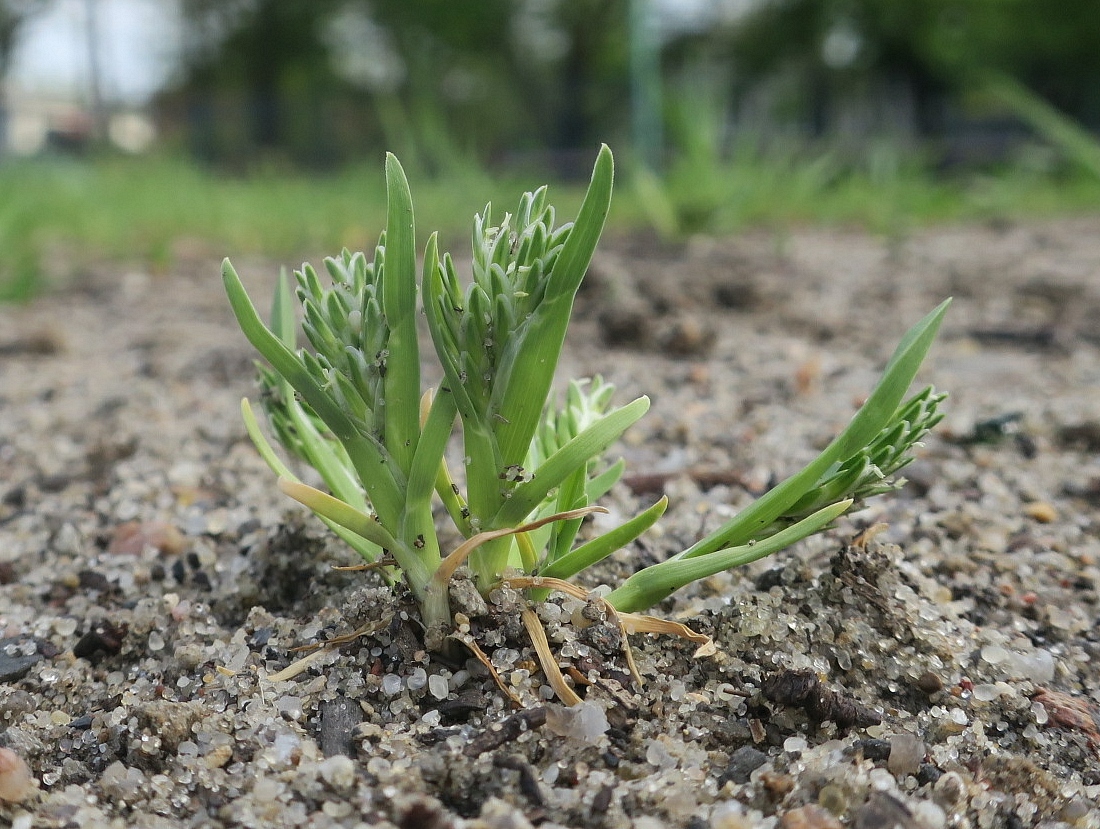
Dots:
(944, 673)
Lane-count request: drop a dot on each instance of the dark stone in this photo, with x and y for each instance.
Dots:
(736, 296)
(928, 774)
(15, 666)
(930, 683)
(1084, 436)
(16, 497)
(103, 640)
(528, 781)
(874, 749)
(460, 708)
(54, 483)
(769, 579)
(14, 705)
(605, 638)
(743, 763)
(338, 720)
(93, 580)
(260, 637)
(424, 815)
(624, 327)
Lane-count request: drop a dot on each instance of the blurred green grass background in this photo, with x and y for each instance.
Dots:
(59, 216)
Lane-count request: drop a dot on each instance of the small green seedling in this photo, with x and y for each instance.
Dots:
(351, 405)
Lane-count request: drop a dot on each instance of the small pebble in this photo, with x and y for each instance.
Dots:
(16, 782)
(658, 755)
(392, 685)
(743, 762)
(949, 790)
(986, 692)
(290, 707)
(688, 336)
(793, 745)
(417, 679)
(995, 654)
(728, 815)
(134, 537)
(1076, 808)
(928, 774)
(1036, 666)
(338, 771)
(1041, 511)
(874, 749)
(930, 683)
(336, 809)
(14, 664)
(437, 687)
(808, 817)
(906, 754)
(834, 799)
(585, 722)
(928, 815)
(218, 756)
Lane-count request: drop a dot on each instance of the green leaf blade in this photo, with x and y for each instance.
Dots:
(656, 583)
(875, 414)
(338, 512)
(594, 551)
(402, 380)
(575, 454)
(526, 370)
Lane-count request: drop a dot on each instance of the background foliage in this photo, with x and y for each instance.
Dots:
(444, 83)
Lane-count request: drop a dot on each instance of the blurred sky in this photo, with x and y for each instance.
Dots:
(138, 44)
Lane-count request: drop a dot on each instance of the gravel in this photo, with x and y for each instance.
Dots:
(940, 671)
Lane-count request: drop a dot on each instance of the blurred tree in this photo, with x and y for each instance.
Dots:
(1049, 47)
(452, 93)
(829, 46)
(594, 71)
(263, 53)
(537, 74)
(14, 14)
(440, 82)
(937, 48)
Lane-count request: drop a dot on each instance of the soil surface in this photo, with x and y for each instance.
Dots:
(941, 671)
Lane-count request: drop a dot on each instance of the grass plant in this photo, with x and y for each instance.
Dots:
(352, 405)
